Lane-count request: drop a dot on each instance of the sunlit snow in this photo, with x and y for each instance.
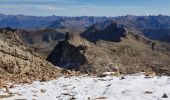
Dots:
(134, 87)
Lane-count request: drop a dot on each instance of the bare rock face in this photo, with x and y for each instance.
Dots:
(18, 64)
(9, 62)
(76, 53)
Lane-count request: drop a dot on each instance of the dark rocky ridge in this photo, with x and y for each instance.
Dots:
(107, 30)
(76, 53)
(158, 34)
(133, 54)
(153, 27)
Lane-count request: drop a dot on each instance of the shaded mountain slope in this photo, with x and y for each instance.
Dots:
(158, 34)
(43, 41)
(77, 53)
(153, 27)
(107, 30)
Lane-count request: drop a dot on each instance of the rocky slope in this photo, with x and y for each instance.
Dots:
(10, 37)
(20, 64)
(132, 54)
(42, 41)
(158, 34)
(77, 53)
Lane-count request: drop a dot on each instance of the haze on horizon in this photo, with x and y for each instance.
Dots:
(85, 7)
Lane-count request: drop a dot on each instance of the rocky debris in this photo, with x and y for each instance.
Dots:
(44, 79)
(109, 74)
(20, 65)
(164, 96)
(148, 92)
(150, 74)
(6, 96)
(101, 75)
(43, 90)
(2, 83)
(101, 98)
(8, 35)
(122, 78)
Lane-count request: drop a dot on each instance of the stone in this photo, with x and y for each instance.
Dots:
(122, 78)
(43, 90)
(150, 74)
(148, 92)
(101, 98)
(164, 96)
(44, 79)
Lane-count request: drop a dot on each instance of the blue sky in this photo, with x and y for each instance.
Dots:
(85, 7)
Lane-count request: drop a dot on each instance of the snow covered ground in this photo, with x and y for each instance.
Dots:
(134, 87)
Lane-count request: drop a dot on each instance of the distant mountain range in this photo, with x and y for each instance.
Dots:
(153, 27)
(34, 22)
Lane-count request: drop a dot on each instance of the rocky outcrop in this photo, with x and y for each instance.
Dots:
(8, 35)
(76, 53)
(21, 65)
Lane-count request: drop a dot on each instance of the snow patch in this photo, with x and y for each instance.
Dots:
(134, 87)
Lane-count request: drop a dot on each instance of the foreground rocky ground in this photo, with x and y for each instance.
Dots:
(134, 87)
(20, 64)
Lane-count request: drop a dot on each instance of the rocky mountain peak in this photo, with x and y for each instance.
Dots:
(108, 31)
(76, 39)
